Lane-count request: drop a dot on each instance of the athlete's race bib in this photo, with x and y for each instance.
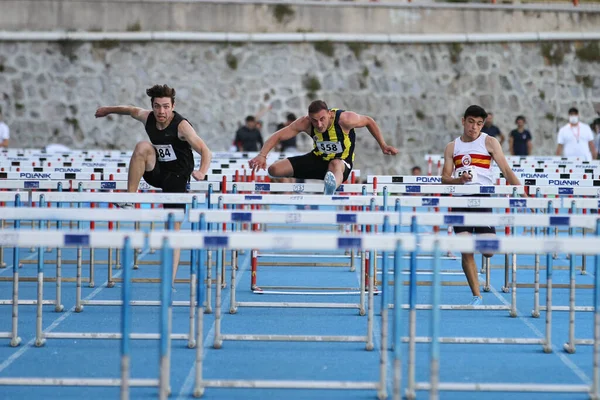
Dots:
(329, 147)
(465, 170)
(165, 152)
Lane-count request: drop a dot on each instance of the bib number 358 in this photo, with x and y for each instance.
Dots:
(165, 152)
(329, 147)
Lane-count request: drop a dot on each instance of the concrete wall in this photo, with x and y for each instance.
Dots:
(417, 93)
(256, 16)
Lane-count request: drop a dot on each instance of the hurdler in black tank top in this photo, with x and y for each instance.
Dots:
(166, 142)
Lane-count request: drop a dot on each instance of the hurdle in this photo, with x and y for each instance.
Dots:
(296, 241)
(10, 197)
(126, 241)
(509, 244)
(364, 201)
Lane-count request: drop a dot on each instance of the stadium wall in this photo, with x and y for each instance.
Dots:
(416, 91)
(50, 90)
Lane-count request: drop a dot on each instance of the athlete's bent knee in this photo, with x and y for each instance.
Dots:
(272, 170)
(143, 149)
(336, 164)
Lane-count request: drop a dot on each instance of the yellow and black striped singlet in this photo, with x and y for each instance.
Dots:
(334, 143)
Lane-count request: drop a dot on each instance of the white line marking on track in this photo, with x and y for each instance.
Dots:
(557, 352)
(15, 356)
(10, 267)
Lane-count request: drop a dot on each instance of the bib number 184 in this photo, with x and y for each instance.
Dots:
(165, 152)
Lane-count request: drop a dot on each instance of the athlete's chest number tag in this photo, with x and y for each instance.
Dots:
(470, 171)
(329, 147)
(165, 152)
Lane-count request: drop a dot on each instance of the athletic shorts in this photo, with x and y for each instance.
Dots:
(168, 181)
(309, 166)
(478, 230)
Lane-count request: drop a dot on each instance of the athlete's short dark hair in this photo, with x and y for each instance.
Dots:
(475, 111)
(317, 106)
(161, 91)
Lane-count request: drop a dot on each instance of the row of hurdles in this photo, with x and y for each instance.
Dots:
(392, 245)
(239, 218)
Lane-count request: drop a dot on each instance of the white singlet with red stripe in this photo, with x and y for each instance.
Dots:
(473, 158)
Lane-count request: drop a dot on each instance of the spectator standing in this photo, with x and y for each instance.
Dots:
(289, 144)
(596, 130)
(519, 141)
(248, 137)
(492, 130)
(576, 139)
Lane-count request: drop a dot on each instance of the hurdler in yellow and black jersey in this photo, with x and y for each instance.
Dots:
(334, 143)
(329, 145)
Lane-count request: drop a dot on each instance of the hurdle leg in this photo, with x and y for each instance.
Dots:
(78, 305)
(15, 339)
(198, 387)
(483, 269)
(352, 263)
(371, 312)
(583, 260)
(397, 325)
(486, 262)
(58, 306)
(218, 342)
(548, 340)
(208, 309)
(363, 261)
(193, 278)
(506, 271)
(374, 271)
(513, 297)
(91, 283)
(233, 285)
(596, 353)
(555, 255)
(2, 263)
(110, 283)
(223, 281)
(136, 252)
(570, 345)
(118, 255)
(383, 356)
(39, 335)
(536, 288)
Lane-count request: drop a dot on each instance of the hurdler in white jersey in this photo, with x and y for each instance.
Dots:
(468, 161)
(473, 158)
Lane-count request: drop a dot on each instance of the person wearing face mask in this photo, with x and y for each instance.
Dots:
(576, 139)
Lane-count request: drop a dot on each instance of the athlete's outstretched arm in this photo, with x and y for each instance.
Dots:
(134, 112)
(187, 133)
(350, 120)
(302, 124)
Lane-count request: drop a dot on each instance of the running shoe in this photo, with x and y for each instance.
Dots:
(330, 184)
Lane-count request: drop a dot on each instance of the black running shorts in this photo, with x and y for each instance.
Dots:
(474, 229)
(309, 166)
(168, 181)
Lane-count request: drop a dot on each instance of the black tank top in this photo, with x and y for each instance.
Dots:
(172, 153)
